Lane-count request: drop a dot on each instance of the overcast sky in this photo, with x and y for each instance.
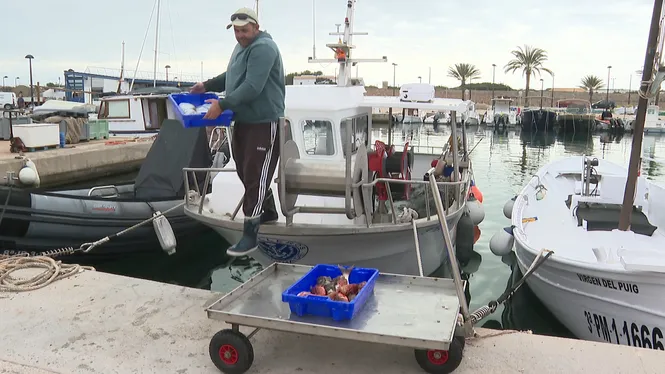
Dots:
(581, 36)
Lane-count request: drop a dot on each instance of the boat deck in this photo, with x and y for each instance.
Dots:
(588, 233)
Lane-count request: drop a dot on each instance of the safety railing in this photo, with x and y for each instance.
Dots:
(460, 189)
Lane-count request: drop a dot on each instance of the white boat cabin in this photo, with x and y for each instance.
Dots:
(501, 105)
(135, 115)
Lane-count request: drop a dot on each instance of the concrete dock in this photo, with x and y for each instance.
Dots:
(81, 161)
(96, 322)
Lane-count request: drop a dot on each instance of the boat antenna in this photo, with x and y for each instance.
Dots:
(649, 87)
(343, 49)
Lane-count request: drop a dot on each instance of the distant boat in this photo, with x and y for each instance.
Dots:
(575, 115)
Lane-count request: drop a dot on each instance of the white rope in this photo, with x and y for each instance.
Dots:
(52, 271)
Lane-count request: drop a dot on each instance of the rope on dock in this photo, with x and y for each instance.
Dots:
(52, 271)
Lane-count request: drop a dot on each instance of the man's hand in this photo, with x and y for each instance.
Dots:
(197, 88)
(214, 111)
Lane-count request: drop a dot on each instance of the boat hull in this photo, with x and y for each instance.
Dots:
(538, 120)
(40, 222)
(612, 308)
(391, 251)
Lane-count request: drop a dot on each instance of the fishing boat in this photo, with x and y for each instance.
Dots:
(38, 221)
(576, 116)
(341, 198)
(501, 114)
(602, 227)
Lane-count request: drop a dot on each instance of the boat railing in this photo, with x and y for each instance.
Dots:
(459, 188)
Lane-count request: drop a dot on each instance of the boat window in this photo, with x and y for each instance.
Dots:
(154, 113)
(652, 111)
(318, 137)
(114, 109)
(359, 128)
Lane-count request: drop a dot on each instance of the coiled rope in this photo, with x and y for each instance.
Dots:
(52, 271)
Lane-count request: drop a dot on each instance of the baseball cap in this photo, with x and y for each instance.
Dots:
(243, 16)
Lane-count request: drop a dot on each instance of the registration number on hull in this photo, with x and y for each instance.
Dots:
(623, 332)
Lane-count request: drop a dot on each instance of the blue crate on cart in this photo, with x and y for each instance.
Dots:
(196, 120)
(321, 305)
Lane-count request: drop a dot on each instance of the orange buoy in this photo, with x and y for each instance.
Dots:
(476, 234)
(475, 191)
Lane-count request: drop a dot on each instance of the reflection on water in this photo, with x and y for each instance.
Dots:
(503, 161)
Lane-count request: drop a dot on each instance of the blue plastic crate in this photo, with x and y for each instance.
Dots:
(196, 120)
(321, 305)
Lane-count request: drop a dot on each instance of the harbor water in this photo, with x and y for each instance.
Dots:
(503, 161)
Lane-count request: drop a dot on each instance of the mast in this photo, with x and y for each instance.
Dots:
(343, 49)
(154, 82)
(647, 89)
(314, 29)
(122, 68)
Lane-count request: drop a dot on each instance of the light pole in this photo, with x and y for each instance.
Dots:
(167, 67)
(394, 75)
(542, 88)
(493, 71)
(32, 96)
(607, 96)
(552, 103)
(420, 79)
(3, 81)
(16, 81)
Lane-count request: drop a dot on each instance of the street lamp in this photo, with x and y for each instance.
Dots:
(394, 75)
(16, 81)
(32, 96)
(420, 79)
(3, 81)
(607, 96)
(542, 88)
(493, 71)
(167, 67)
(552, 104)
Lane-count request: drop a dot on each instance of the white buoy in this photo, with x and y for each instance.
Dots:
(508, 207)
(164, 233)
(502, 242)
(476, 210)
(28, 174)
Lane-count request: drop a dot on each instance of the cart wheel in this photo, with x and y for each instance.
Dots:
(441, 362)
(231, 352)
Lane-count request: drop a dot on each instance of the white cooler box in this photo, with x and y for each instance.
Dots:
(36, 135)
(417, 92)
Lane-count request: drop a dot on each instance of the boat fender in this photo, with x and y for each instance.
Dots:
(164, 233)
(476, 210)
(475, 191)
(464, 239)
(28, 174)
(502, 242)
(508, 207)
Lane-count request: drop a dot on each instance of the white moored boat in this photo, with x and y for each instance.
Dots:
(603, 284)
(328, 178)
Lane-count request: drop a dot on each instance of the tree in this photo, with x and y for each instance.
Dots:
(530, 60)
(463, 72)
(591, 83)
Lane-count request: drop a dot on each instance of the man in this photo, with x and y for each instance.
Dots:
(255, 91)
(20, 102)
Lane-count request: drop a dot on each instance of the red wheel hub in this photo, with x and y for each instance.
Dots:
(228, 354)
(437, 357)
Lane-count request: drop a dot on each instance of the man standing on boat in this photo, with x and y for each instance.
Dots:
(255, 92)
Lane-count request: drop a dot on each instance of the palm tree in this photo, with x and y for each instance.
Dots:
(463, 72)
(530, 60)
(591, 83)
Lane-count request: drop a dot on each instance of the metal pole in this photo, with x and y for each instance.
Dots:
(607, 96)
(394, 80)
(32, 95)
(154, 82)
(630, 87)
(552, 103)
(542, 88)
(313, 27)
(636, 150)
(493, 75)
(429, 80)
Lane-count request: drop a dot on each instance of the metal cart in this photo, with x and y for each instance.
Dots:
(409, 311)
(424, 316)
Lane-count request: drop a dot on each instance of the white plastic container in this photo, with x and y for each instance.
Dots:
(417, 92)
(36, 135)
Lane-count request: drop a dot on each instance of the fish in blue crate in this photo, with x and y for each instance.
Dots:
(338, 288)
(190, 109)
